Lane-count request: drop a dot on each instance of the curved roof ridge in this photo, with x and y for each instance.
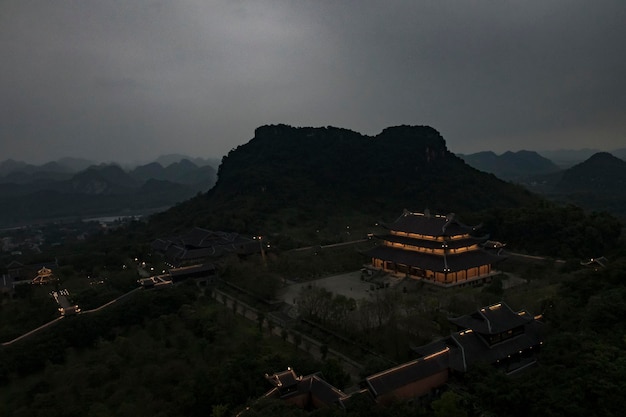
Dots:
(481, 312)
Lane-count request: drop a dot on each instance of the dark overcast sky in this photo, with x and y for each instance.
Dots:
(129, 80)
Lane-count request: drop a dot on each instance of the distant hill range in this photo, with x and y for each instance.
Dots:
(65, 188)
(511, 166)
(567, 158)
(597, 183)
(602, 173)
(317, 183)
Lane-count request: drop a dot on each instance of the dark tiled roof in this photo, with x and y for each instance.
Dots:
(363, 395)
(402, 375)
(435, 263)
(196, 237)
(467, 347)
(287, 384)
(199, 243)
(283, 379)
(321, 390)
(601, 261)
(471, 259)
(475, 350)
(202, 238)
(273, 393)
(160, 245)
(431, 348)
(174, 252)
(432, 244)
(15, 264)
(429, 225)
(493, 319)
(189, 254)
(192, 269)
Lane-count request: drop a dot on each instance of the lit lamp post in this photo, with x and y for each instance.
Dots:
(260, 239)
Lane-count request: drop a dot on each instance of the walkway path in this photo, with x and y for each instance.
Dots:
(55, 321)
(334, 245)
(32, 332)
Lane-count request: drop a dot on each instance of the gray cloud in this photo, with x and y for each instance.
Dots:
(128, 80)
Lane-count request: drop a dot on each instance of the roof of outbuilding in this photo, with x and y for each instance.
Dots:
(492, 319)
(199, 243)
(206, 267)
(468, 346)
(283, 379)
(288, 384)
(474, 349)
(402, 375)
(321, 390)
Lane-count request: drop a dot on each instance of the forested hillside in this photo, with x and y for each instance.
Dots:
(309, 186)
(176, 351)
(311, 183)
(511, 166)
(598, 183)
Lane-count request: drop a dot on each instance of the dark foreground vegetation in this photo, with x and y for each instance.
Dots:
(176, 352)
(163, 353)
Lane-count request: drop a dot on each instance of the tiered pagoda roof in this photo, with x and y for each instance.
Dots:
(435, 243)
(430, 225)
(437, 263)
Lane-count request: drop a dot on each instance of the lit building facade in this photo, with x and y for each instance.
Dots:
(434, 248)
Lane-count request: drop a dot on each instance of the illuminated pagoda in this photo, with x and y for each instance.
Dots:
(44, 276)
(433, 248)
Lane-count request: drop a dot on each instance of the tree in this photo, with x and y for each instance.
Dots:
(297, 339)
(219, 410)
(449, 405)
(334, 374)
(324, 350)
(260, 318)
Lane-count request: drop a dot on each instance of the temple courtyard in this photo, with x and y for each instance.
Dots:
(351, 285)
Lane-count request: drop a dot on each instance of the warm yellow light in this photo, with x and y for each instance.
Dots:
(436, 353)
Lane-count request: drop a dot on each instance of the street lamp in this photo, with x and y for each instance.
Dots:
(260, 239)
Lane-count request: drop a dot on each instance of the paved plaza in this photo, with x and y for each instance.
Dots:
(349, 285)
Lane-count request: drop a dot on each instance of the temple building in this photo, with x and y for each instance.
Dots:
(199, 245)
(434, 248)
(497, 335)
(307, 392)
(415, 379)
